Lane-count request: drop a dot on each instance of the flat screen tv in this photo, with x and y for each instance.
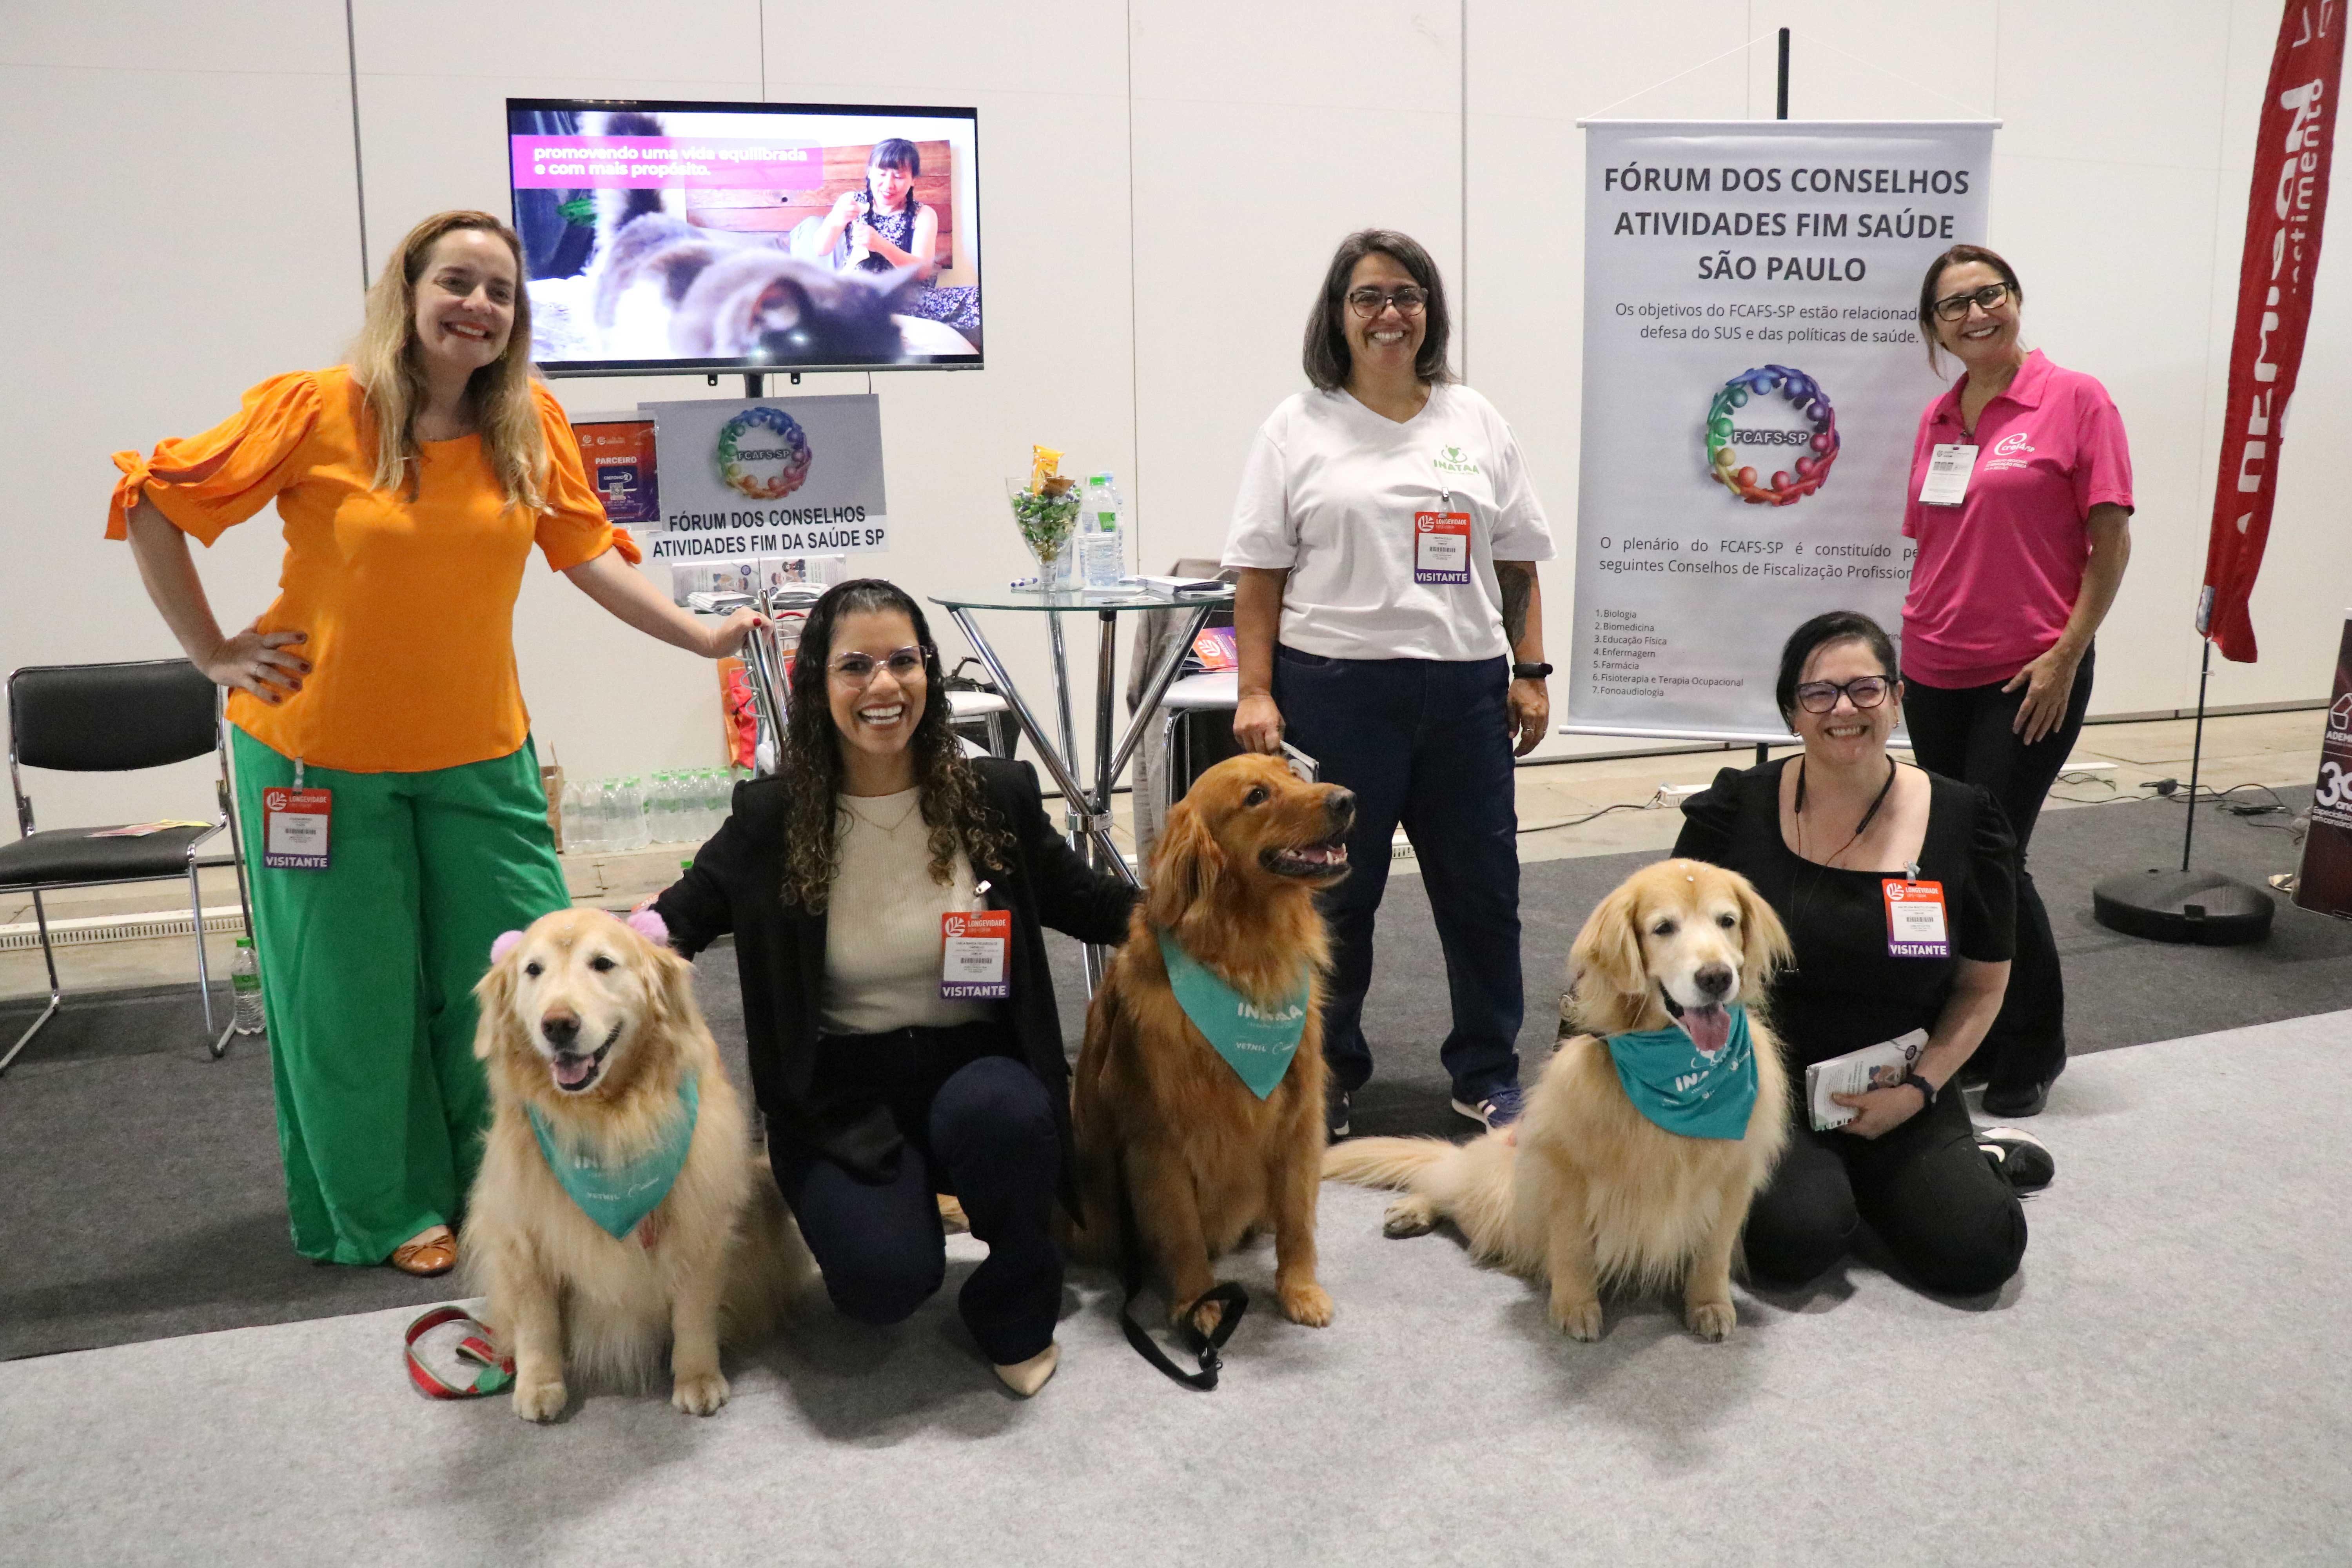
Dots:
(663, 235)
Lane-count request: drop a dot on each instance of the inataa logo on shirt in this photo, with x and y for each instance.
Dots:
(1451, 460)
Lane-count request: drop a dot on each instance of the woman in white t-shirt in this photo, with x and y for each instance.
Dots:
(1390, 626)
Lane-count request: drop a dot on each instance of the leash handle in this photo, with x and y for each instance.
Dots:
(498, 1371)
(1205, 1348)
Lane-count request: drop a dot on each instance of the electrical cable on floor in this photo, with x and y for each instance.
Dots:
(1587, 816)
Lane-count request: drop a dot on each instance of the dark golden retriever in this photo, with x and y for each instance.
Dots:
(1204, 1162)
(1584, 1190)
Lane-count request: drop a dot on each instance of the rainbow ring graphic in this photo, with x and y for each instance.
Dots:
(1787, 487)
(784, 431)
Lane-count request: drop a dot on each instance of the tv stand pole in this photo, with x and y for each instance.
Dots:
(755, 384)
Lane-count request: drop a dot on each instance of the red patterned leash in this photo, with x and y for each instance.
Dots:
(497, 1373)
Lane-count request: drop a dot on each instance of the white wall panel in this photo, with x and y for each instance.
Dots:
(1251, 164)
(144, 300)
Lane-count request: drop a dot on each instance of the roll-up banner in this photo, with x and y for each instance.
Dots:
(1753, 382)
(2325, 881)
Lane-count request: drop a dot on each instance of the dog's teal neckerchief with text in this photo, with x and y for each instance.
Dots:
(1681, 1088)
(1256, 1042)
(617, 1196)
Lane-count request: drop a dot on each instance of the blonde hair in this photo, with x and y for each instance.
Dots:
(383, 361)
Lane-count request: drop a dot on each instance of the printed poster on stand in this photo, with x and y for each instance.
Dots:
(769, 477)
(1753, 382)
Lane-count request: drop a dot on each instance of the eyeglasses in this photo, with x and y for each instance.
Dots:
(1992, 297)
(1370, 302)
(857, 670)
(1863, 691)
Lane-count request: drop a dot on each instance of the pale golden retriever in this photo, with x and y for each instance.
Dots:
(1585, 1190)
(1205, 1162)
(595, 1028)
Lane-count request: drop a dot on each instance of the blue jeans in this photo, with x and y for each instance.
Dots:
(985, 1133)
(1425, 744)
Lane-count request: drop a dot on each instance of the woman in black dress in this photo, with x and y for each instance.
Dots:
(1846, 845)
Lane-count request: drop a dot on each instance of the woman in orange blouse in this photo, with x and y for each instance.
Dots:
(414, 482)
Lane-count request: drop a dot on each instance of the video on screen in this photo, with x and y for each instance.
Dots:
(663, 235)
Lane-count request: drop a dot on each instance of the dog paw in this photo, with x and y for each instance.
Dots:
(1205, 1316)
(1580, 1320)
(1308, 1304)
(1411, 1215)
(699, 1394)
(1711, 1320)
(541, 1401)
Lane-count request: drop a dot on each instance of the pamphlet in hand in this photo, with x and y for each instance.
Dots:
(1881, 1066)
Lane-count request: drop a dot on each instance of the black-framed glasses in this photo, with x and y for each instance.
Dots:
(1863, 691)
(1370, 302)
(1992, 297)
(905, 664)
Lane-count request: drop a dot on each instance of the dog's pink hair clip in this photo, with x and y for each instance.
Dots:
(648, 924)
(506, 944)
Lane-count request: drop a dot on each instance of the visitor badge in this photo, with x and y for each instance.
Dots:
(973, 944)
(1949, 467)
(294, 829)
(1441, 547)
(1915, 920)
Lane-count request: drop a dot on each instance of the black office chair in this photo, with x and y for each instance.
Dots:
(114, 718)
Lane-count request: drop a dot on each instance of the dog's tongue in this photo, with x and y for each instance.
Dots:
(1708, 1028)
(1323, 854)
(573, 1071)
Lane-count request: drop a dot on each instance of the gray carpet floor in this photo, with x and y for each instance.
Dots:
(143, 1197)
(2158, 1386)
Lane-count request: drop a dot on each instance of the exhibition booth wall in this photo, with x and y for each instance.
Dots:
(1161, 185)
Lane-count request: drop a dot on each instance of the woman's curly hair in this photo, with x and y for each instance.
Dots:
(954, 808)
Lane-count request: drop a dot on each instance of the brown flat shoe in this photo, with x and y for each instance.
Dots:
(427, 1258)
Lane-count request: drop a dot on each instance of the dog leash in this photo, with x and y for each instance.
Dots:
(1205, 1348)
(497, 1373)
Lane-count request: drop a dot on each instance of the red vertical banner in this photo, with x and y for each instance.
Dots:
(2325, 881)
(2283, 217)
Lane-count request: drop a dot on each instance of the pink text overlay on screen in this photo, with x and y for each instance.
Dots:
(637, 163)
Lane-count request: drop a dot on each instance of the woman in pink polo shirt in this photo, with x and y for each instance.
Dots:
(2021, 502)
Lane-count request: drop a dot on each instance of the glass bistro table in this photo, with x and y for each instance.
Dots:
(1087, 802)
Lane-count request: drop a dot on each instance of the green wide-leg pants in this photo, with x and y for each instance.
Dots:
(368, 971)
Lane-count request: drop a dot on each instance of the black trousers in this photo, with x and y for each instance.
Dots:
(1965, 734)
(1925, 1189)
(1424, 742)
(977, 1124)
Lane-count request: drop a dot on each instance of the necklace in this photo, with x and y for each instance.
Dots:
(885, 828)
(1860, 828)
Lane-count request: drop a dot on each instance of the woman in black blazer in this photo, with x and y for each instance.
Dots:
(895, 1052)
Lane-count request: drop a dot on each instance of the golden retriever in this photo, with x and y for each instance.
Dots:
(1585, 1190)
(1154, 1108)
(595, 1028)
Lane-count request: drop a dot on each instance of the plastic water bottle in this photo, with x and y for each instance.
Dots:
(245, 984)
(1101, 535)
(661, 810)
(633, 813)
(608, 816)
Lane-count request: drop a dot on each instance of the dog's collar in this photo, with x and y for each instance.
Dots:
(617, 1196)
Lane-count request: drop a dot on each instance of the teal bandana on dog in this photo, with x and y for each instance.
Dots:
(1684, 1088)
(617, 1196)
(1258, 1043)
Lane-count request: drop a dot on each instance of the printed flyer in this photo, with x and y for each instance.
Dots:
(1753, 382)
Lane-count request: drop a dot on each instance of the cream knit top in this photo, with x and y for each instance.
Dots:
(882, 945)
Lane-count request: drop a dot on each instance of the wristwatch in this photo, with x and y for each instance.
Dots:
(1530, 672)
(1923, 1086)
